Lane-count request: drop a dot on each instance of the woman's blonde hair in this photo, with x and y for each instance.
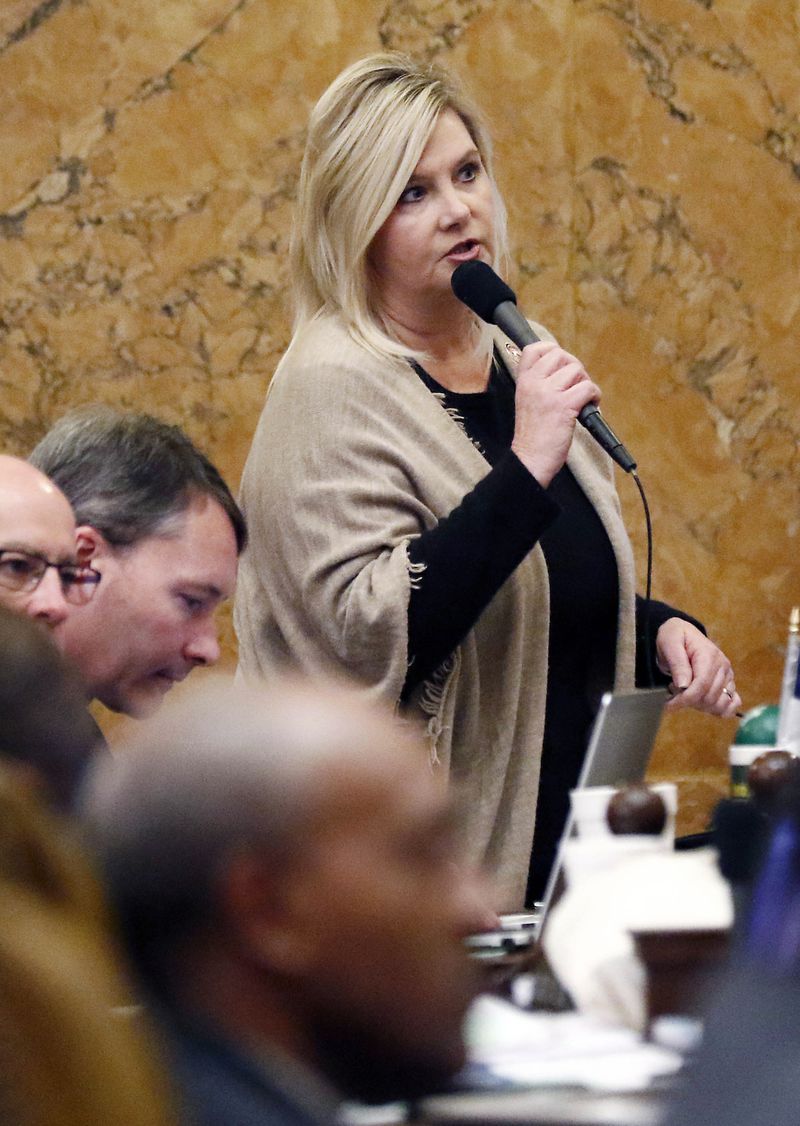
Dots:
(365, 137)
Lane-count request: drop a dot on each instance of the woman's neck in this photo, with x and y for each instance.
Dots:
(457, 357)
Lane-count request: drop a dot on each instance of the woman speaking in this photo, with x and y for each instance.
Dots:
(424, 514)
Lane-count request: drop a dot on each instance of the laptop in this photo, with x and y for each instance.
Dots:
(618, 753)
(619, 750)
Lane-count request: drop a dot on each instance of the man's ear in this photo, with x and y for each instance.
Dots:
(91, 544)
(259, 902)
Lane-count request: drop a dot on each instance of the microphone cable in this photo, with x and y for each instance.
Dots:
(647, 632)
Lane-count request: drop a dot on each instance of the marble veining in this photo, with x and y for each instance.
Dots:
(20, 19)
(425, 28)
(649, 152)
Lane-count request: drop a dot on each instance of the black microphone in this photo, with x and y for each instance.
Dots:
(478, 286)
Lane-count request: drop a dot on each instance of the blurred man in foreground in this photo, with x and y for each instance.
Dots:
(39, 575)
(284, 867)
(46, 734)
(73, 1050)
(158, 523)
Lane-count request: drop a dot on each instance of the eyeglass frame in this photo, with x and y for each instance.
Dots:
(72, 576)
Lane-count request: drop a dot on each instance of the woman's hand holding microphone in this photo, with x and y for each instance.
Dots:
(552, 387)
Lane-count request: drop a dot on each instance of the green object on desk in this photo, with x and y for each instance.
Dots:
(759, 726)
(757, 733)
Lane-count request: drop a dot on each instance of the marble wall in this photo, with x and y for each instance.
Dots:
(650, 154)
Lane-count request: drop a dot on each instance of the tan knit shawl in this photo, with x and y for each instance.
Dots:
(351, 458)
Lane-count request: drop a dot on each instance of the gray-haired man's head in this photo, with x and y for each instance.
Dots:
(157, 521)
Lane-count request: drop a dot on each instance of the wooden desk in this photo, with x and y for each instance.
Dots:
(681, 966)
(544, 1107)
(678, 965)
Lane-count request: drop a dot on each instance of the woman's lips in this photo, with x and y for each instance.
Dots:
(464, 251)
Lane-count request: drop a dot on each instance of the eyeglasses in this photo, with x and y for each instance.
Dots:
(22, 571)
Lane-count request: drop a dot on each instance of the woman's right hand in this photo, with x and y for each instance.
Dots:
(552, 388)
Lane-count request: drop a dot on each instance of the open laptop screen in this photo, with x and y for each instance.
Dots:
(619, 750)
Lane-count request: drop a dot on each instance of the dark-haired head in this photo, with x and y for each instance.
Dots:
(128, 474)
(158, 524)
(45, 728)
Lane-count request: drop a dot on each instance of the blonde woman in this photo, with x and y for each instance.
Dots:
(424, 514)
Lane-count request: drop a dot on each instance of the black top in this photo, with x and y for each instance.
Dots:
(472, 551)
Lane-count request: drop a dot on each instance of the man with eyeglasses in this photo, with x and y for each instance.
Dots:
(39, 572)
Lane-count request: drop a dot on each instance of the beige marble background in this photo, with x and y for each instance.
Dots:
(650, 154)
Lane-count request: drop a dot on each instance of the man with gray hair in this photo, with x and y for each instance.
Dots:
(158, 523)
(284, 867)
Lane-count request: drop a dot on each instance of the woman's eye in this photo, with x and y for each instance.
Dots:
(193, 605)
(469, 171)
(412, 194)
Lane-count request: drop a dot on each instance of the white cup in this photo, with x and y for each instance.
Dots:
(584, 857)
(589, 807)
(590, 804)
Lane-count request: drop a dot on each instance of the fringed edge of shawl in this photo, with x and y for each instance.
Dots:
(458, 419)
(415, 571)
(431, 702)
(431, 698)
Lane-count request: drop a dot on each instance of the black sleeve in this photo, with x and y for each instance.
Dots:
(467, 557)
(650, 616)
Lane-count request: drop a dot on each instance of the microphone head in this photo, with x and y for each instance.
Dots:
(479, 287)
